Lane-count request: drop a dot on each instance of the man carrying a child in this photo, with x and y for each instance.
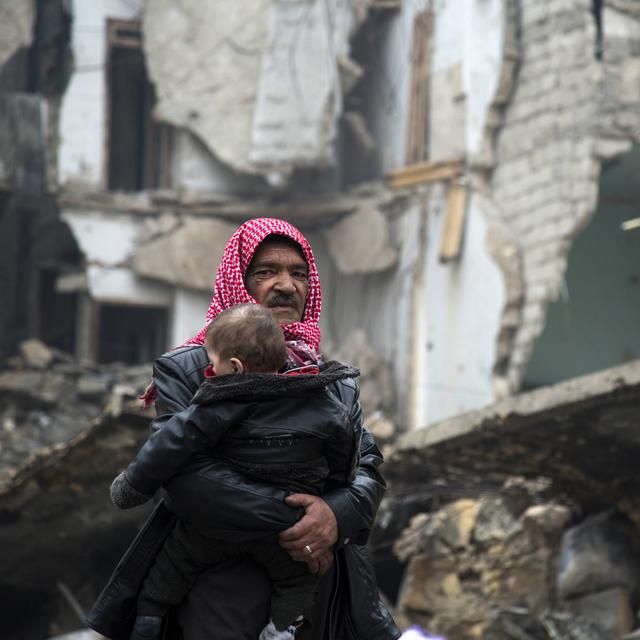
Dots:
(266, 261)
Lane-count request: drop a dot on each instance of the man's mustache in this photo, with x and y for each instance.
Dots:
(282, 300)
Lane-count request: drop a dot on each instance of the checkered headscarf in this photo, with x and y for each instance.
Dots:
(303, 338)
(229, 287)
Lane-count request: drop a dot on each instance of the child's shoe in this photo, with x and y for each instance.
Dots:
(147, 628)
(271, 633)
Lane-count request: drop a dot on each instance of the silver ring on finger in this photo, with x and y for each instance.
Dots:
(308, 549)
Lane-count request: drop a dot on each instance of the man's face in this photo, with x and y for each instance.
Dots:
(278, 278)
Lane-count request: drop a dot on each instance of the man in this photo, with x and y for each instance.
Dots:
(266, 261)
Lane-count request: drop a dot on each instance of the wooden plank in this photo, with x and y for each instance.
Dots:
(418, 120)
(454, 222)
(385, 4)
(424, 172)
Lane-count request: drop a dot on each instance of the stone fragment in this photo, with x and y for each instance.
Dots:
(439, 534)
(609, 610)
(494, 521)
(427, 587)
(518, 493)
(36, 354)
(410, 541)
(92, 387)
(361, 242)
(597, 555)
(187, 257)
(546, 522)
(515, 622)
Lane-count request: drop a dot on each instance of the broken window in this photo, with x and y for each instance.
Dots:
(139, 148)
(594, 323)
(130, 334)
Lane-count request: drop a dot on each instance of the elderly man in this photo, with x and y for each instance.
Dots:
(270, 262)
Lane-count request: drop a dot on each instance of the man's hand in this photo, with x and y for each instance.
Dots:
(316, 531)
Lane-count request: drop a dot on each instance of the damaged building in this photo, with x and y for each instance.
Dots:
(467, 174)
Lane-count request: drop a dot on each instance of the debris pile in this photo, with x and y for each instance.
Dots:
(519, 564)
(66, 429)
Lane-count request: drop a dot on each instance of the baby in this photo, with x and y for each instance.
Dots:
(291, 430)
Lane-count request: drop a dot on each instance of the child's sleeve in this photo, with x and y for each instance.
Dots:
(168, 450)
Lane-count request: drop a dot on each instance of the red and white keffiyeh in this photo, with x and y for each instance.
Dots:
(303, 338)
(229, 286)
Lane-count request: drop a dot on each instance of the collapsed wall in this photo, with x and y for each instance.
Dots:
(574, 106)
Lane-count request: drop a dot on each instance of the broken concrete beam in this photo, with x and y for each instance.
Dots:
(575, 434)
(361, 243)
(186, 257)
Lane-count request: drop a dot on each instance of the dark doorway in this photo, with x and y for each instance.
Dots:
(139, 147)
(58, 313)
(130, 334)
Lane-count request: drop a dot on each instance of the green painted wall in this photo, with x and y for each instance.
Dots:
(596, 322)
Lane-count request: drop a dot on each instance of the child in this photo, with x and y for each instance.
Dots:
(288, 429)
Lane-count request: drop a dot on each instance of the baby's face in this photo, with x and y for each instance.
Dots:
(221, 367)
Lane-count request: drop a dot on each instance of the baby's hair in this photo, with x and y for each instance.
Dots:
(250, 333)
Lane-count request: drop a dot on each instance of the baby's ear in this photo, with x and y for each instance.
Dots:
(237, 365)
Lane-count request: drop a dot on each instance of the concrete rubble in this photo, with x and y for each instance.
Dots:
(478, 568)
(553, 551)
(66, 429)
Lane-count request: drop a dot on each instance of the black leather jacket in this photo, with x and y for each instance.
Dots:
(248, 505)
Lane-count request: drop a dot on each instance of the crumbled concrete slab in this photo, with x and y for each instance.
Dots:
(205, 61)
(259, 84)
(576, 433)
(16, 26)
(361, 242)
(187, 256)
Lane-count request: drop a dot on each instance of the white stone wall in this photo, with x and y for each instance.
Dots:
(457, 320)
